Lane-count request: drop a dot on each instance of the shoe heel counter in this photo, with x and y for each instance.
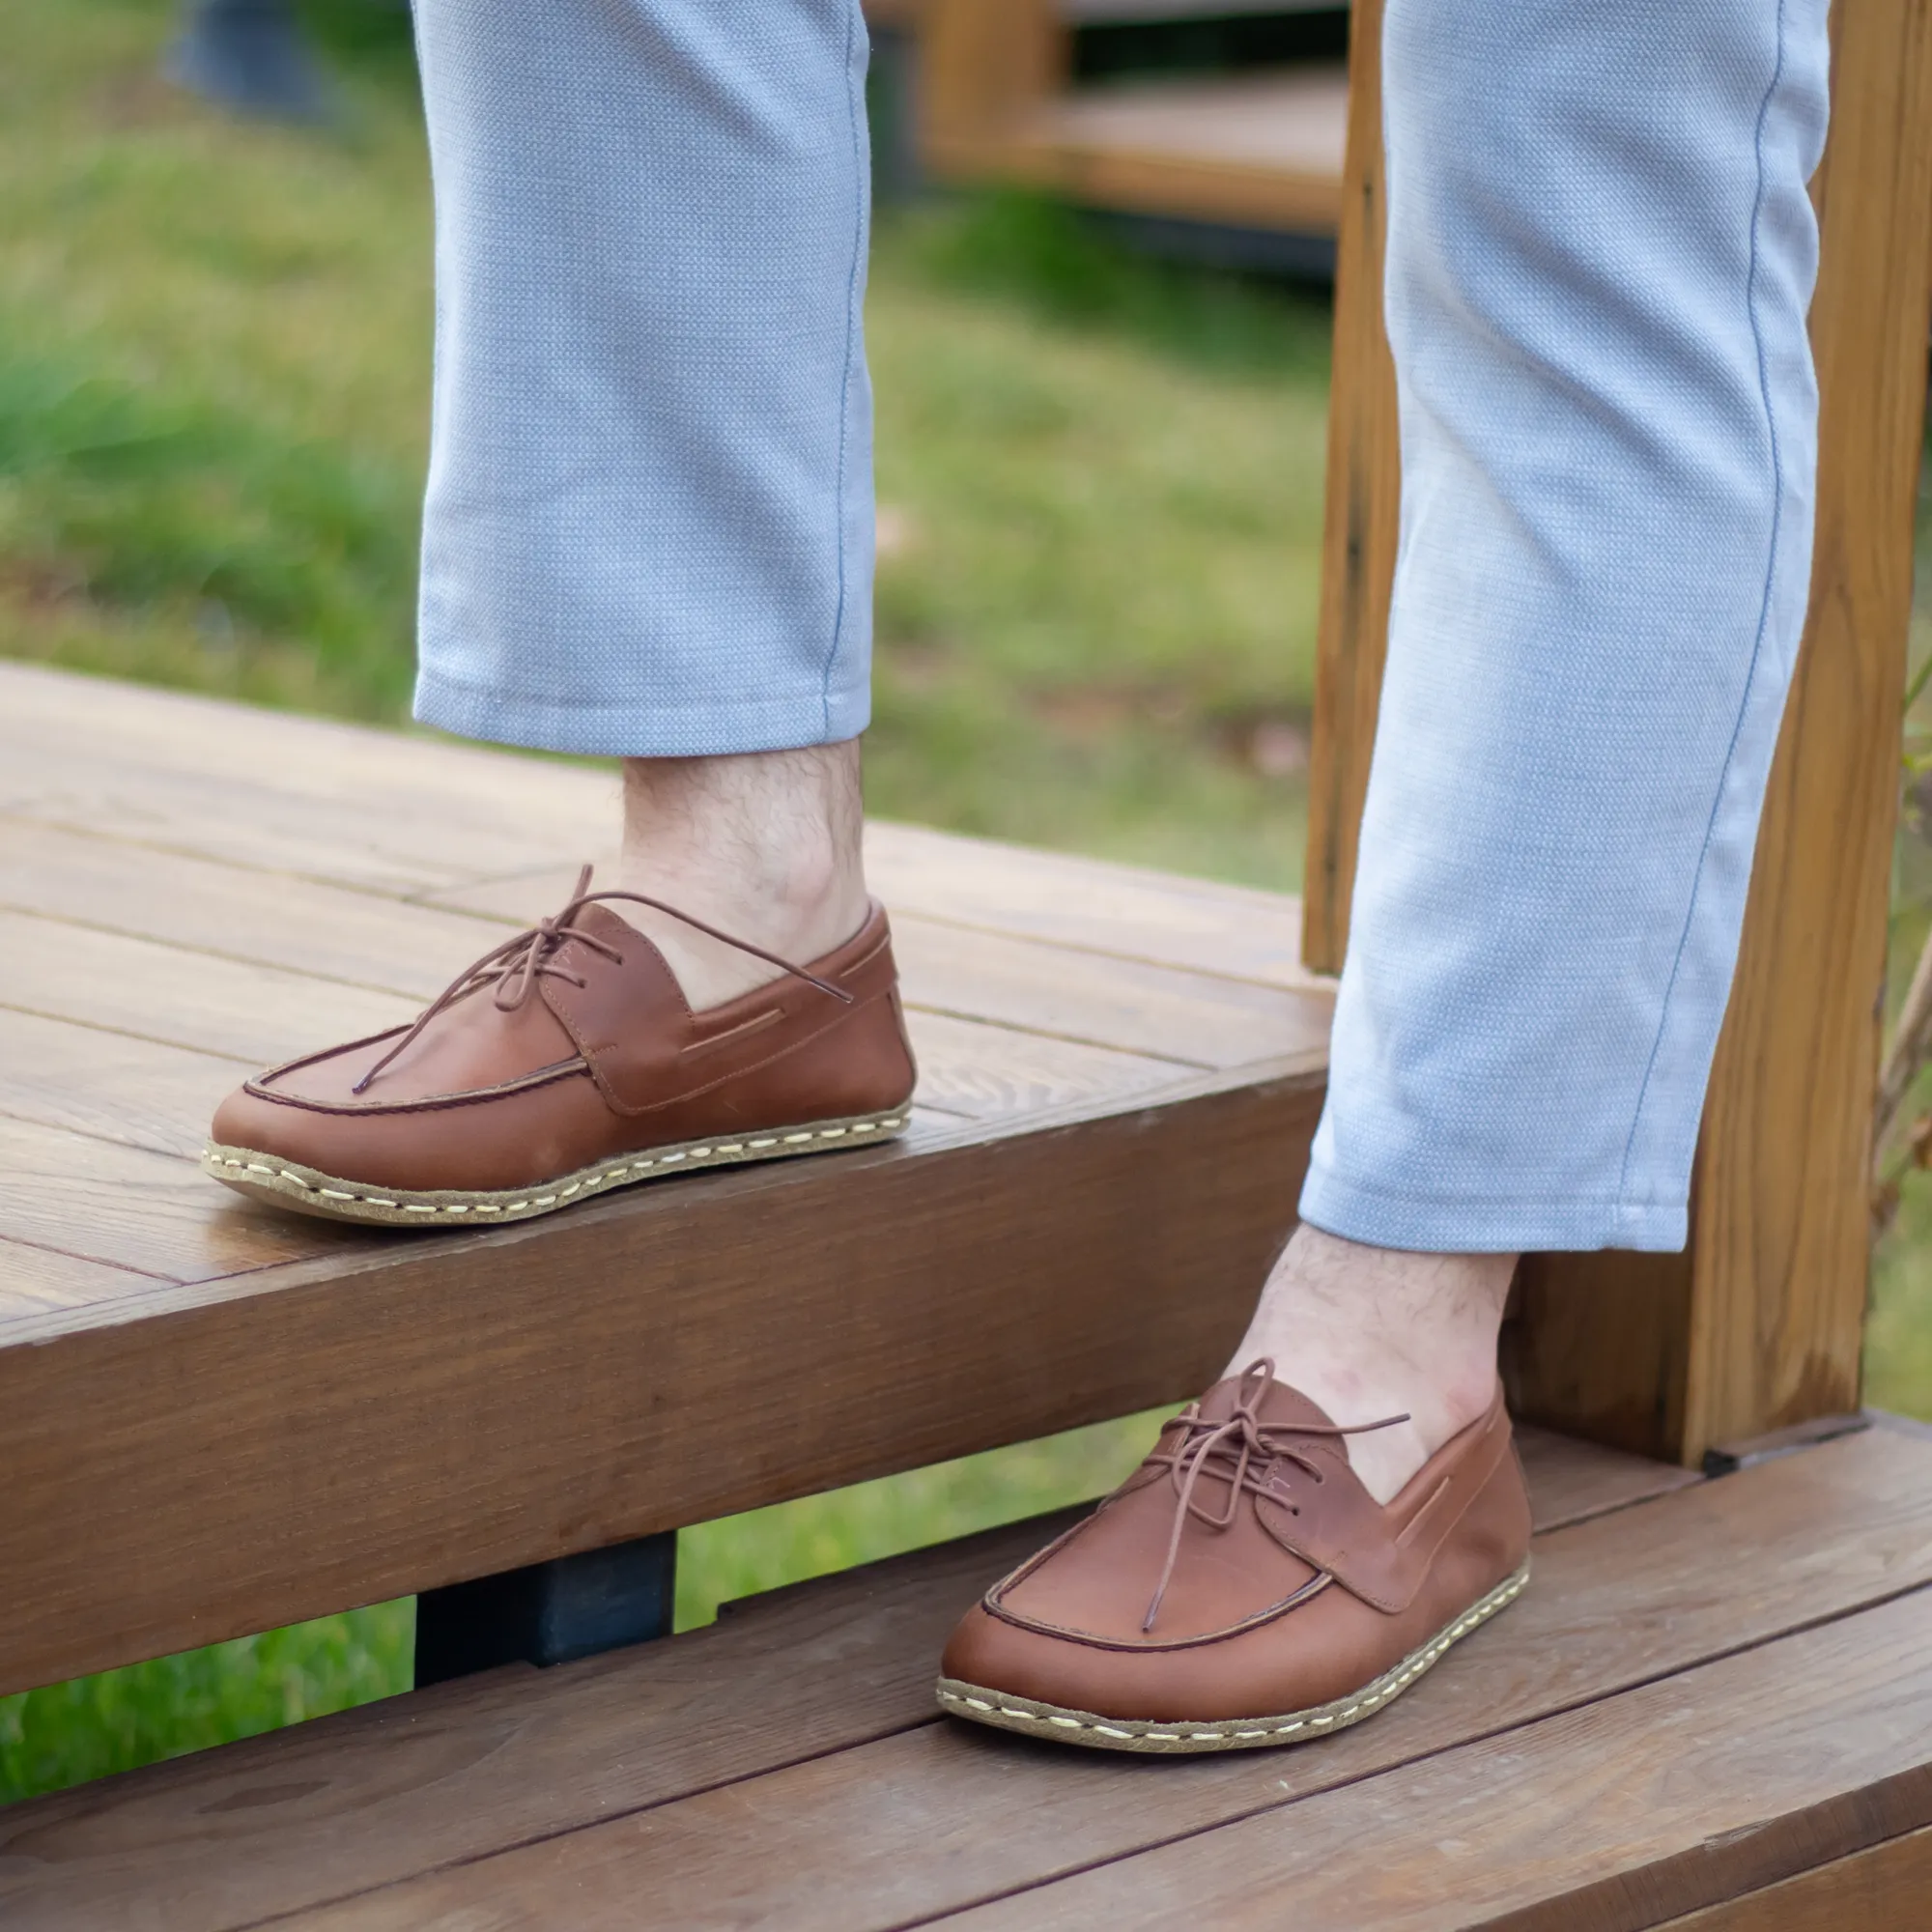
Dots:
(881, 1042)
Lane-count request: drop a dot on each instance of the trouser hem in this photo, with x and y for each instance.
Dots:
(773, 722)
(1475, 1225)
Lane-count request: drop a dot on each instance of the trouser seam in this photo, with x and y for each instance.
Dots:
(852, 327)
(1763, 622)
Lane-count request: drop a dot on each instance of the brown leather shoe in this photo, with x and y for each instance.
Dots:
(566, 1062)
(1242, 1589)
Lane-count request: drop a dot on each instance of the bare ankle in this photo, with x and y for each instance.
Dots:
(1372, 1332)
(764, 845)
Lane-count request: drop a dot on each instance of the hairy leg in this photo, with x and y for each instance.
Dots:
(764, 845)
(1376, 1332)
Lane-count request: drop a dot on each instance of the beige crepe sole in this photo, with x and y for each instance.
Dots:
(1133, 1734)
(288, 1183)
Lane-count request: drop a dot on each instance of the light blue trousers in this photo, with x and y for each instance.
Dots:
(649, 518)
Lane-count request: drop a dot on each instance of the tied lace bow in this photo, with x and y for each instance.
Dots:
(1238, 1451)
(514, 966)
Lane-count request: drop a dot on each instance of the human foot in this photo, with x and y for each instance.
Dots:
(566, 1062)
(1242, 1588)
(1371, 1334)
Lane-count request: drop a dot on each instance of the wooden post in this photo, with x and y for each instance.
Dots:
(983, 63)
(1759, 1323)
(1359, 530)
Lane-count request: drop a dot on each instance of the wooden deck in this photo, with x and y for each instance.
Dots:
(1251, 150)
(1713, 1708)
(1261, 149)
(271, 1418)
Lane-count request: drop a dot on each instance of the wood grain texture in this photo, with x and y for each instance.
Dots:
(1573, 1481)
(1361, 518)
(1185, 1018)
(429, 785)
(1092, 906)
(105, 1202)
(986, 1072)
(934, 1818)
(34, 1280)
(181, 998)
(1781, 1238)
(1673, 1796)
(1762, 1324)
(378, 1794)
(1886, 1888)
(93, 1079)
(360, 938)
(110, 1085)
(409, 1413)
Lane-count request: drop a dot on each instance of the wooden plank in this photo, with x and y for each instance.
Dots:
(987, 1072)
(156, 1094)
(408, 1411)
(320, 930)
(1360, 519)
(50, 719)
(1883, 1889)
(368, 845)
(34, 1279)
(376, 1795)
(156, 1213)
(1574, 1481)
(1089, 904)
(115, 1088)
(1185, 1018)
(1680, 1793)
(276, 1823)
(1761, 1323)
(258, 1004)
(180, 998)
(384, 811)
(931, 1817)
(1256, 152)
(1092, 905)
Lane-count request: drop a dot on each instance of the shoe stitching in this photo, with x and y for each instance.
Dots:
(430, 1103)
(1390, 1683)
(585, 1183)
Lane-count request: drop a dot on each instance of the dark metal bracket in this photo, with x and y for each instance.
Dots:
(551, 1612)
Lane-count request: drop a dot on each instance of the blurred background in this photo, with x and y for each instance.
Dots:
(1100, 354)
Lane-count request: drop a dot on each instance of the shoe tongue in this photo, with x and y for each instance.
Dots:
(1280, 1407)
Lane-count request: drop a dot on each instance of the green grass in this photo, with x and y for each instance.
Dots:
(1100, 487)
(1101, 481)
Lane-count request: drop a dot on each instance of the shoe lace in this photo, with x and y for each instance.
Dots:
(1239, 1450)
(514, 966)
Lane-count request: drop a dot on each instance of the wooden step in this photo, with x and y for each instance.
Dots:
(1711, 1688)
(1259, 150)
(220, 1419)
